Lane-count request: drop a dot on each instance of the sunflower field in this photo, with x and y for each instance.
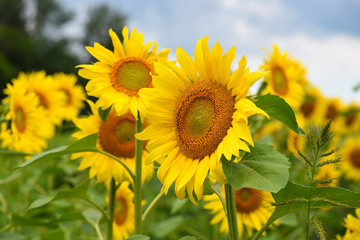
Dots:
(157, 148)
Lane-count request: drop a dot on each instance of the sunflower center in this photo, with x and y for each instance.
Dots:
(120, 211)
(332, 112)
(200, 117)
(20, 119)
(355, 157)
(350, 119)
(116, 136)
(130, 75)
(280, 82)
(203, 115)
(68, 96)
(42, 99)
(307, 108)
(247, 199)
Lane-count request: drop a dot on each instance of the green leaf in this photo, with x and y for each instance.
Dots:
(188, 238)
(263, 168)
(279, 109)
(163, 228)
(92, 216)
(13, 153)
(78, 192)
(138, 237)
(294, 198)
(104, 113)
(12, 236)
(56, 234)
(86, 144)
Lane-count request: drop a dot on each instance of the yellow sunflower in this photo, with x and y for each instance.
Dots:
(198, 112)
(286, 77)
(311, 108)
(50, 98)
(123, 225)
(116, 136)
(29, 128)
(118, 76)
(253, 209)
(352, 224)
(75, 95)
(350, 158)
(295, 142)
(349, 120)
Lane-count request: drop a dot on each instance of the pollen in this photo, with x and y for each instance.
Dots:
(131, 74)
(203, 115)
(116, 136)
(247, 200)
(279, 81)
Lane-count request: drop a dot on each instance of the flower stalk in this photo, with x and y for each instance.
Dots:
(137, 180)
(231, 212)
(111, 209)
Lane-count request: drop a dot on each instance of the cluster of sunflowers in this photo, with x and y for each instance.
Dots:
(35, 104)
(188, 116)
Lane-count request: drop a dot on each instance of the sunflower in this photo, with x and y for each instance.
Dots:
(350, 158)
(295, 142)
(29, 129)
(352, 224)
(253, 209)
(349, 120)
(198, 112)
(123, 225)
(118, 76)
(50, 98)
(116, 136)
(75, 95)
(286, 78)
(310, 110)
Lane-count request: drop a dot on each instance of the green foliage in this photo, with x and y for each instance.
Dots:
(104, 113)
(263, 168)
(279, 109)
(138, 237)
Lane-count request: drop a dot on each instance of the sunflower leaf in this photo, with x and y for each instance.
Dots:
(279, 109)
(86, 144)
(263, 168)
(104, 113)
(295, 198)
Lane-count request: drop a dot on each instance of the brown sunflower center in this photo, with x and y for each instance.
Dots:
(203, 115)
(120, 210)
(332, 112)
(20, 119)
(68, 96)
(42, 98)
(307, 108)
(355, 157)
(130, 75)
(350, 119)
(247, 199)
(279, 80)
(116, 136)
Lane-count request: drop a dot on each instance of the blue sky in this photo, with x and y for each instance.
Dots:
(323, 34)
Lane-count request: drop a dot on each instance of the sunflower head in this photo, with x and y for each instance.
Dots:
(350, 156)
(198, 112)
(115, 136)
(287, 77)
(118, 75)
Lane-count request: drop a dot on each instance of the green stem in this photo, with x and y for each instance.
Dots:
(138, 179)
(310, 194)
(152, 204)
(98, 208)
(112, 194)
(231, 212)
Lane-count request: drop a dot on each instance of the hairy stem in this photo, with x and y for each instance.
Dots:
(138, 178)
(231, 212)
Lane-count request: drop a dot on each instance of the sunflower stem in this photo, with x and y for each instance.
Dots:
(111, 209)
(231, 212)
(151, 205)
(137, 181)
